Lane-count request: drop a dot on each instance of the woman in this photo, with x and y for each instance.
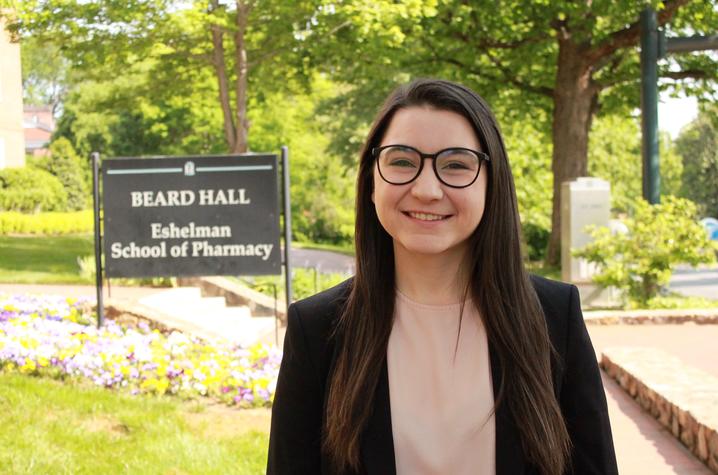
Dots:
(441, 355)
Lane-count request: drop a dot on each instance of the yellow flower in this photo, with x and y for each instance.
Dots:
(28, 367)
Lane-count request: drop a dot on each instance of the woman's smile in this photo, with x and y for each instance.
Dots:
(426, 216)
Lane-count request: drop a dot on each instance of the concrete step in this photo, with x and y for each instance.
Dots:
(211, 317)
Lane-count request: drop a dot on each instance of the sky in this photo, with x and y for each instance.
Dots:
(674, 113)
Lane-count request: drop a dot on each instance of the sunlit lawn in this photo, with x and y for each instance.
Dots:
(53, 428)
(43, 259)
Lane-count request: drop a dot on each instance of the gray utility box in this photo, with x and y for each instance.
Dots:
(584, 201)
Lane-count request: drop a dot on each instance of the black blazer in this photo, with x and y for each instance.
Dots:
(302, 387)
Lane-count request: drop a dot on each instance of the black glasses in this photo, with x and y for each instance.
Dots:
(456, 167)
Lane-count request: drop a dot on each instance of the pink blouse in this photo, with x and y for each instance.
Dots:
(440, 398)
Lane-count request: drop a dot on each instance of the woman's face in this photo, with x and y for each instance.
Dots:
(425, 216)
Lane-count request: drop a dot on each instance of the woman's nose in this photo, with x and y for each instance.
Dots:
(427, 186)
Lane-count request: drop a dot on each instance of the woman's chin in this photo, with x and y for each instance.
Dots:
(422, 248)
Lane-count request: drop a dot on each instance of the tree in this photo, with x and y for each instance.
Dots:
(65, 164)
(698, 145)
(44, 72)
(242, 43)
(615, 155)
(560, 60)
(144, 110)
(641, 261)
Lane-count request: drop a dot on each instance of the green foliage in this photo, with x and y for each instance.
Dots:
(615, 155)
(511, 59)
(50, 223)
(305, 282)
(64, 163)
(322, 186)
(31, 190)
(698, 145)
(529, 152)
(144, 110)
(659, 237)
(44, 72)
(164, 63)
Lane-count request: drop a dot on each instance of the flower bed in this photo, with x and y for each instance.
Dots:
(57, 337)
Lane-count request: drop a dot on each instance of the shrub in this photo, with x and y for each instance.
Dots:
(640, 262)
(54, 223)
(65, 164)
(31, 190)
(305, 282)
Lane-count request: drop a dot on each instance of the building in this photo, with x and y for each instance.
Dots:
(12, 142)
(38, 124)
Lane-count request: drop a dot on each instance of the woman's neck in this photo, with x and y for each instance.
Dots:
(430, 279)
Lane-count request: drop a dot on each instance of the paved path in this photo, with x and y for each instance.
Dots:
(323, 261)
(700, 282)
(642, 445)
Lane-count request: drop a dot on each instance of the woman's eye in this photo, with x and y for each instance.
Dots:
(455, 166)
(402, 162)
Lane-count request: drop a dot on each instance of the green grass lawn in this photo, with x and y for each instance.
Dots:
(50, 427)
(43, 259)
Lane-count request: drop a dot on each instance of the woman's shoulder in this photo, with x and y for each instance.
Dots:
(550, 291)
(318, 312)
(559, 301)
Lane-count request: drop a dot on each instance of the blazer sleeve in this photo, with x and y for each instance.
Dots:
(295, 435)
(583, 400)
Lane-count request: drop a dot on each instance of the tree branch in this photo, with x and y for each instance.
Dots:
(630, 35)
(687, 74)
(486, 43)
(513, 79)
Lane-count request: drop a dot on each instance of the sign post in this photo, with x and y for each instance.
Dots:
(287, 229)
(98, 239)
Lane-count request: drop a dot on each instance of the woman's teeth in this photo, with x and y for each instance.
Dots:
(426, 216)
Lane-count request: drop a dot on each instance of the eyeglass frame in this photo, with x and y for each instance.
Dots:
(376, 151)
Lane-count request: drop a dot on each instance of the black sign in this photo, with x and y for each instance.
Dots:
(185, 216)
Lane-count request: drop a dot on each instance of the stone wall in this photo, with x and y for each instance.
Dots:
(682, 398)
(700, 316)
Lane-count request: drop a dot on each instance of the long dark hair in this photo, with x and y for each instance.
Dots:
(499, 284)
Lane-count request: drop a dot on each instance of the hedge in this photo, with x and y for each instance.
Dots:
(55, 223)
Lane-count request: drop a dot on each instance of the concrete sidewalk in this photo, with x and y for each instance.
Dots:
(643, 446)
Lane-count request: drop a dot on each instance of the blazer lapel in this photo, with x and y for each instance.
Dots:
(377, 445)
(509, 455)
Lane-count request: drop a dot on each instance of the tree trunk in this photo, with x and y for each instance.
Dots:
(241, 71)
(220, 71)
(575, 101)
